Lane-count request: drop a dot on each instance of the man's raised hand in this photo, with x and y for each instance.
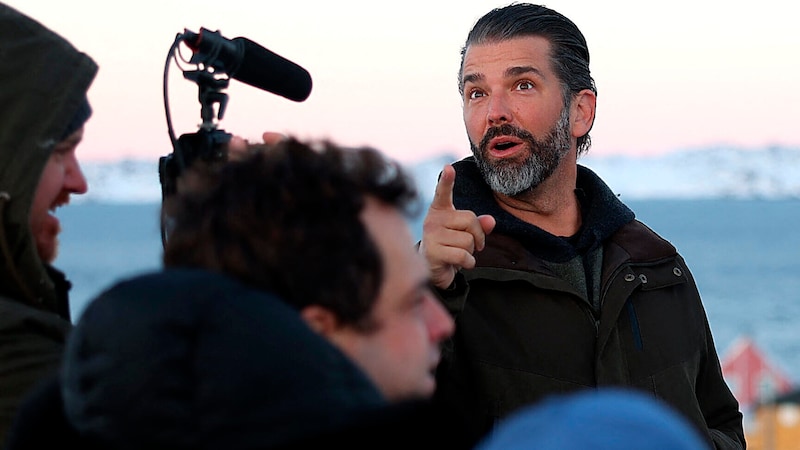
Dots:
(451, 236)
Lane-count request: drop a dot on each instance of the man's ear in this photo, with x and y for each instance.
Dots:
(583, 109)
(320, 319)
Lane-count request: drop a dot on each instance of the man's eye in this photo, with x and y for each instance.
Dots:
(475, 94)
(524, 85)
(64, 147)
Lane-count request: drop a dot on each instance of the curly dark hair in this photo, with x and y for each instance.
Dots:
(286, 218)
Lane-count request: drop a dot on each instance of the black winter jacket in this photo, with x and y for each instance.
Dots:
(613, 306)
(189, 359)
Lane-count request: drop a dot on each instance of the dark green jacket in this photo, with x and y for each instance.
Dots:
(613, 306)
(44, 80)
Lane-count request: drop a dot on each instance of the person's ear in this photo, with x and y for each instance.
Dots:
(583, 109)
(320, 319)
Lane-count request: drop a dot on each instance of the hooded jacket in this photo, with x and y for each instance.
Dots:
(190, 359)
(44, 83)
(614, 305)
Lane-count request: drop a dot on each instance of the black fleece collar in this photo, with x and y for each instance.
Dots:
(603, 213)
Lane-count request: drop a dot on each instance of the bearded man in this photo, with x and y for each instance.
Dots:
(554, 285)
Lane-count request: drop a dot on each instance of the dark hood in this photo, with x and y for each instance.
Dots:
(603, 213)
(189, 359)
(45, 81)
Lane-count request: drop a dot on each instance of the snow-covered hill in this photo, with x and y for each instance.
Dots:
(719, 172)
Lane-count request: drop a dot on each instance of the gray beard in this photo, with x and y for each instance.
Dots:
(512, 177)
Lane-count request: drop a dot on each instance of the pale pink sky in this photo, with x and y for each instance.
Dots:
(670, 75)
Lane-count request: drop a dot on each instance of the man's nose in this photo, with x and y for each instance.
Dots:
(498, 111)
(75, 181)
(440, 324)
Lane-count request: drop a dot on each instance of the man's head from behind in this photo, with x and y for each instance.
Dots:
(325, 229)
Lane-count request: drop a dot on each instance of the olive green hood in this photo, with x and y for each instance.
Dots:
(44, 83)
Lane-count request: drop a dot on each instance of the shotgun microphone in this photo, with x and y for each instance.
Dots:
(250, 63)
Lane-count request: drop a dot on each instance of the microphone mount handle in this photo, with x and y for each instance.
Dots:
(209, 94)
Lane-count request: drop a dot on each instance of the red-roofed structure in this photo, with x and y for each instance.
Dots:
(750, 375)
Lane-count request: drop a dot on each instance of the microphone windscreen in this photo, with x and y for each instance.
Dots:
(269, 71)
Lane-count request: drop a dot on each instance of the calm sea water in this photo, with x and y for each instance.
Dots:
(744, 254)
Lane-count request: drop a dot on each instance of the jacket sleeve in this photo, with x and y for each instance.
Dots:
(455, 296)
(720, 407)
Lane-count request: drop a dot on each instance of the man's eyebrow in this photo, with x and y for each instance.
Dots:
(509, 73)
(522, 70)
(69, 142)
(473, 78)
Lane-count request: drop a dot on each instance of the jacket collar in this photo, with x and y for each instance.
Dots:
(603, 213)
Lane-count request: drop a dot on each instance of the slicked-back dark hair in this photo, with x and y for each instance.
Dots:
(286, 219)
(570, 54)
